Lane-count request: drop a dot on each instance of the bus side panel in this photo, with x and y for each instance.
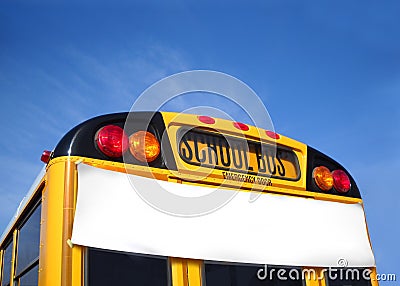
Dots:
(314, 276)
(179, 271)
(50, 257)
(77, 265)
(373, 276)
(195, 268)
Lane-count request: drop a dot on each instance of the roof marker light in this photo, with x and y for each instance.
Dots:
(241, 126)
(272, 134)
(206, 119)
(45, 158)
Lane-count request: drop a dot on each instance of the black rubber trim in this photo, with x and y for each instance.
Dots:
(314, 159)
(80, 141)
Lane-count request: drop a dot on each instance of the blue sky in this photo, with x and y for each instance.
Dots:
(328, 72)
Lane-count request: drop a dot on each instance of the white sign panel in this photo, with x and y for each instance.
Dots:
(274, 229)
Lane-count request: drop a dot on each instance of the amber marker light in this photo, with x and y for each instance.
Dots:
(144, 146)
(323, 178)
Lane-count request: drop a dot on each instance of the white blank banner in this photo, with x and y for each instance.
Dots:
(274, 229)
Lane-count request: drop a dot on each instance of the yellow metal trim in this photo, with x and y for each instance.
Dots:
(1, 265)
(68, 210)
(211, 181)
(77, 265)
(77, 251)
(314, 276)
(13, 257)
(51, 233)
(373, 276)
(179, 271)
(195, 270)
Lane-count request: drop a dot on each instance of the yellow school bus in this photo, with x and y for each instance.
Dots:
(160, 198)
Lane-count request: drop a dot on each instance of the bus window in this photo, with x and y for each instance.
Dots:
(28, 243)
(224, 274)
(30, 278)
(7, 265)
(116, 268)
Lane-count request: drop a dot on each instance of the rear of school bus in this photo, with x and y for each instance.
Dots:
(219, 203)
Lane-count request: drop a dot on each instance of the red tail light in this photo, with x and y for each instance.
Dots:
(341, 181)
(112, 141)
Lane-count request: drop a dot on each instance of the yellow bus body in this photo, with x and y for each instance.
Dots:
(62, 263)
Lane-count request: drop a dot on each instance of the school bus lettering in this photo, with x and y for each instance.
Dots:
(239, 155)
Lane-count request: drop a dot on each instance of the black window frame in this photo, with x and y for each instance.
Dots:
(29, 271)
(10, 243)
(20, 272)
